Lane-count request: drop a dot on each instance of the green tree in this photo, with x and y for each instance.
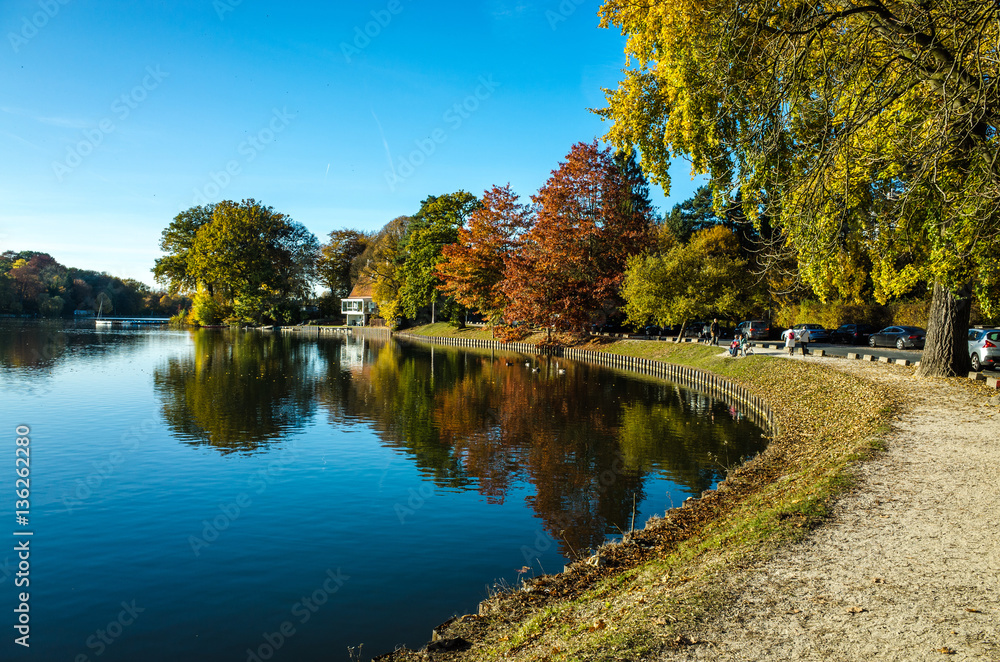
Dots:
(254, 258)
(704, 278)
(852, 125)
(431, 229)
(338, 266)
(694, 214)
(175, 268)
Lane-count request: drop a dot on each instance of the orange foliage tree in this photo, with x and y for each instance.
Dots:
(473, 267)
(593, 213)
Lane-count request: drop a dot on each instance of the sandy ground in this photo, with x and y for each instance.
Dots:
(908, 567)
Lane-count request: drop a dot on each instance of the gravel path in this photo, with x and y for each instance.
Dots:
(908, 567)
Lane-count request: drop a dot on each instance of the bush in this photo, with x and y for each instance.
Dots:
(205, 310)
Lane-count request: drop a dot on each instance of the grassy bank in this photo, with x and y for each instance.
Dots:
(646, 593)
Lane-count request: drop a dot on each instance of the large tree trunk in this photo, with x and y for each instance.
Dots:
(946, 352)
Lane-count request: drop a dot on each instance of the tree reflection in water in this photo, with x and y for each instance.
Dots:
(238, 392)
(586, 440)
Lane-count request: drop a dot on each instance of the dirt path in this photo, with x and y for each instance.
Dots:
(909, 566)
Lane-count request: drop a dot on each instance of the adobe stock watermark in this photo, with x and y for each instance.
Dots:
(363, 35)
(230, 511)
(565, 9)
(302, 611)
(453, 118)
(30, 26)
(104, 637)
(121, 108)
(249, 149)
(418, 497)
(103, 470)
(223, 7)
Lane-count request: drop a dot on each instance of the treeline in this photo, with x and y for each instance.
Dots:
(35, 284)
(588, 249)
(556, 261)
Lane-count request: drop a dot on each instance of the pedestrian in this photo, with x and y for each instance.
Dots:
(714, 331)
(789, 337)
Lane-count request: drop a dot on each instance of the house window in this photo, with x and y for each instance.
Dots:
(350, 306)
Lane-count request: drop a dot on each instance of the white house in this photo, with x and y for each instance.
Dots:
(358, 307)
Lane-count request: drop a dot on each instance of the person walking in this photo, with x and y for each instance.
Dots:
(789, 336)
(714, 331)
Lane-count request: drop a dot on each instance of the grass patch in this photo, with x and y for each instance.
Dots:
(445, 329)
(682, 568)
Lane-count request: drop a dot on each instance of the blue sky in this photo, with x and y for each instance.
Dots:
(118, 115)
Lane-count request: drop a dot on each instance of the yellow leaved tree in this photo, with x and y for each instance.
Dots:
(858, 127)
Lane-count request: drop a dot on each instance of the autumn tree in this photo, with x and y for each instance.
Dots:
(472, 268)
(338, 265)
(432, 228)
(854, 125)
(592, 214)
(383, 258)
(704, 278)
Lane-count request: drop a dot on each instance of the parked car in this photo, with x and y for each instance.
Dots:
(984, 348)
(816, 333)
(755, 329)
(852, 334)
(900, 337)
(653, 330)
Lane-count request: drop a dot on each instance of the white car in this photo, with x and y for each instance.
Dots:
(984, 348)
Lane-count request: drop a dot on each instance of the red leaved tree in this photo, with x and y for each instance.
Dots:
(593, 213)
(473, 267)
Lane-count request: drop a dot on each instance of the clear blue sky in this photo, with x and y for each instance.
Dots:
(118, 115)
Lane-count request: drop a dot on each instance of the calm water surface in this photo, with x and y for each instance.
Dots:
(219, 496)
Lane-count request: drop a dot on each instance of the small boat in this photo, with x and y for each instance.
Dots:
(99, 323)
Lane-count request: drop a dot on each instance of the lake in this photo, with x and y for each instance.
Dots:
(217, 495)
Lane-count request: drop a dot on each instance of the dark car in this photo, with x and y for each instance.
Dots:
(852, 334)
(900, 337)
(653, 330)
(755, 329)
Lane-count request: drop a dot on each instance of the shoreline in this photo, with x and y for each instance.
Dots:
(786, 559)
(566, 616)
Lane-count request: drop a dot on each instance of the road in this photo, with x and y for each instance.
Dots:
(832, 349)
(913, 355)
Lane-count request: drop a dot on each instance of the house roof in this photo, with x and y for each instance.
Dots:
(363, 290)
